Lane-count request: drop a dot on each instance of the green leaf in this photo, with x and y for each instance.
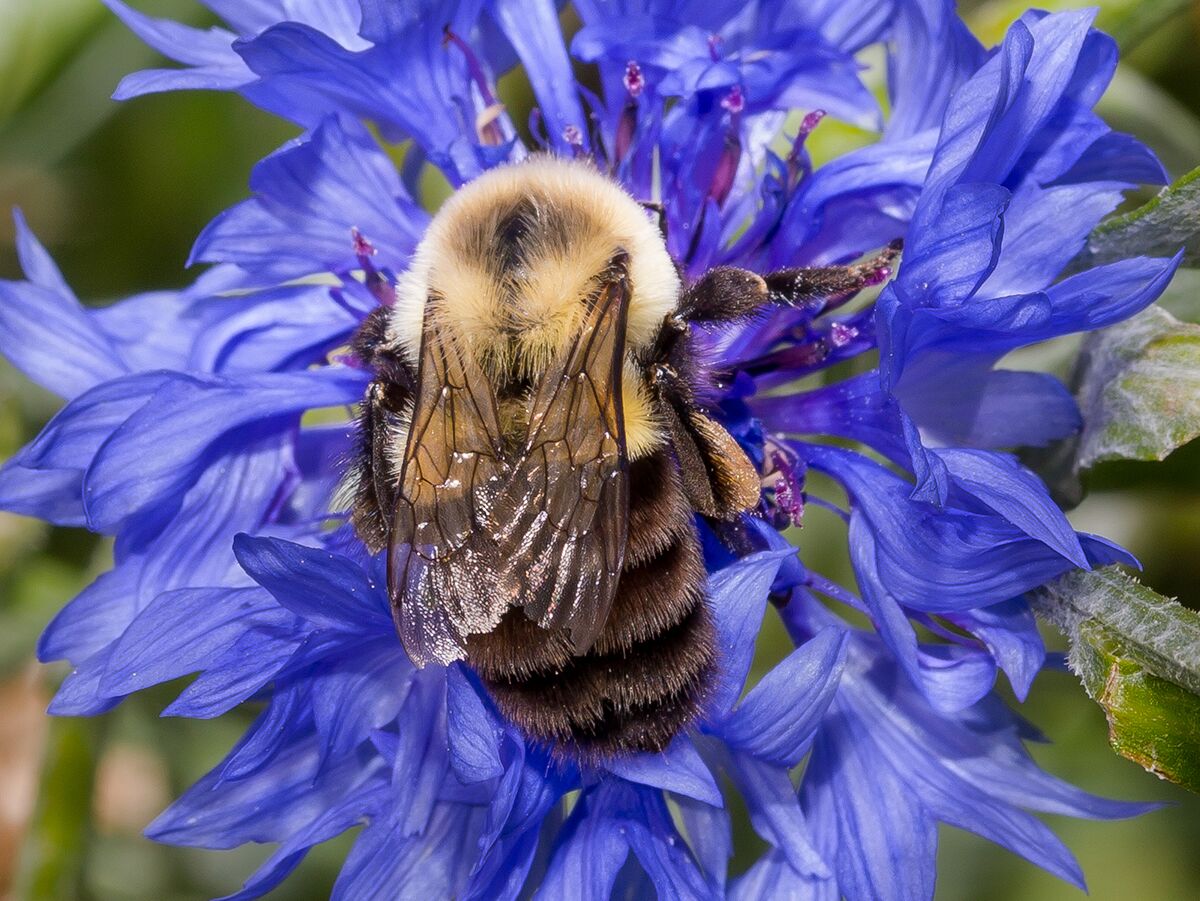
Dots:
(1138, 656)
(1139, 389)
(1157, 229)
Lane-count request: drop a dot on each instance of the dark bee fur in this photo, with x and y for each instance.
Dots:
(645, 671)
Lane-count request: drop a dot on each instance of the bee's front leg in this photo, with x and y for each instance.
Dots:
(728, 294)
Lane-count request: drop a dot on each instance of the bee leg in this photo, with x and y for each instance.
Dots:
(369, 507)
(727, 294)
(372, 477)
(798, 287)
(370, 346)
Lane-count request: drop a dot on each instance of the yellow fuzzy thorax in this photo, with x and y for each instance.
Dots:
(517, 317)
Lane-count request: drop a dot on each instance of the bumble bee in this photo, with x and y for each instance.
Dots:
(532, 453)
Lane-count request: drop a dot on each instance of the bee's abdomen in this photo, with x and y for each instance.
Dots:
(646, 677)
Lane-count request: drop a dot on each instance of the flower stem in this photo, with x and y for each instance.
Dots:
(55, 850)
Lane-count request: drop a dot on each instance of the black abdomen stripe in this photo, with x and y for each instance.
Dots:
(645, 677)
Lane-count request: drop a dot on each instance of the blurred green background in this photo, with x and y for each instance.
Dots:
(119, 191)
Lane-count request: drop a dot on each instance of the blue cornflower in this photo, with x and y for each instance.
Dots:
(182, 436)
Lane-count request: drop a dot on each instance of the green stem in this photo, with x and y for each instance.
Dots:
(55, 850)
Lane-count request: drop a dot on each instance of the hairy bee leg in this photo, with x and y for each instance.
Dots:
(793, 287)
(368, 511)
(728, 294)
(381, 466)
(372, 477)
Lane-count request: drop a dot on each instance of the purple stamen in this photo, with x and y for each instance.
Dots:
(726, 171)
(635, 82)
(809, 123)
(734, 101)
(714, 42)
(381, 289)
(727, 165)
(789, 490)
(485, 124)
(362, 247)
(574, 138)
(797, 164)
(841, 334)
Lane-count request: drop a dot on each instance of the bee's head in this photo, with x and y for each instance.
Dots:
(514, 254)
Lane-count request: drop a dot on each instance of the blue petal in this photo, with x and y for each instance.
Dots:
(410, 84)
(671, 868)
(475, 735)
(887, 838)
(284, 328)
(79, 694)
(532, 28)
(589, 852)
(956, 559)
(510, 860)
(953, 676)
(738, 598)
(776, 719)
(434, 864)
(1010, 632)
(184, 630)
(234, 676)
(187, 416)
(1034, 255)
(52, 495)
(679, 769)
(336, 819)
(950, 259)
(158, 81)
(421, 764)
(328, 590)
(1118, 157)
(37, 264)
(923, 31)
(356, 691)
(47, 335)
(180, 42)
(92, 619)
(1014, 492)
(775, 811)
(773, 877)
(709, 834)
(1105, 295)
(961, 401)
(270, 805)
(235, 493)
(286, 716)
(968, 769)
(310, 195)
(78, 431)
(860, 200)
(210, 52)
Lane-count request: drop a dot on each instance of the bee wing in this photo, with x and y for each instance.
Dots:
(562, 523)
(443, 566)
